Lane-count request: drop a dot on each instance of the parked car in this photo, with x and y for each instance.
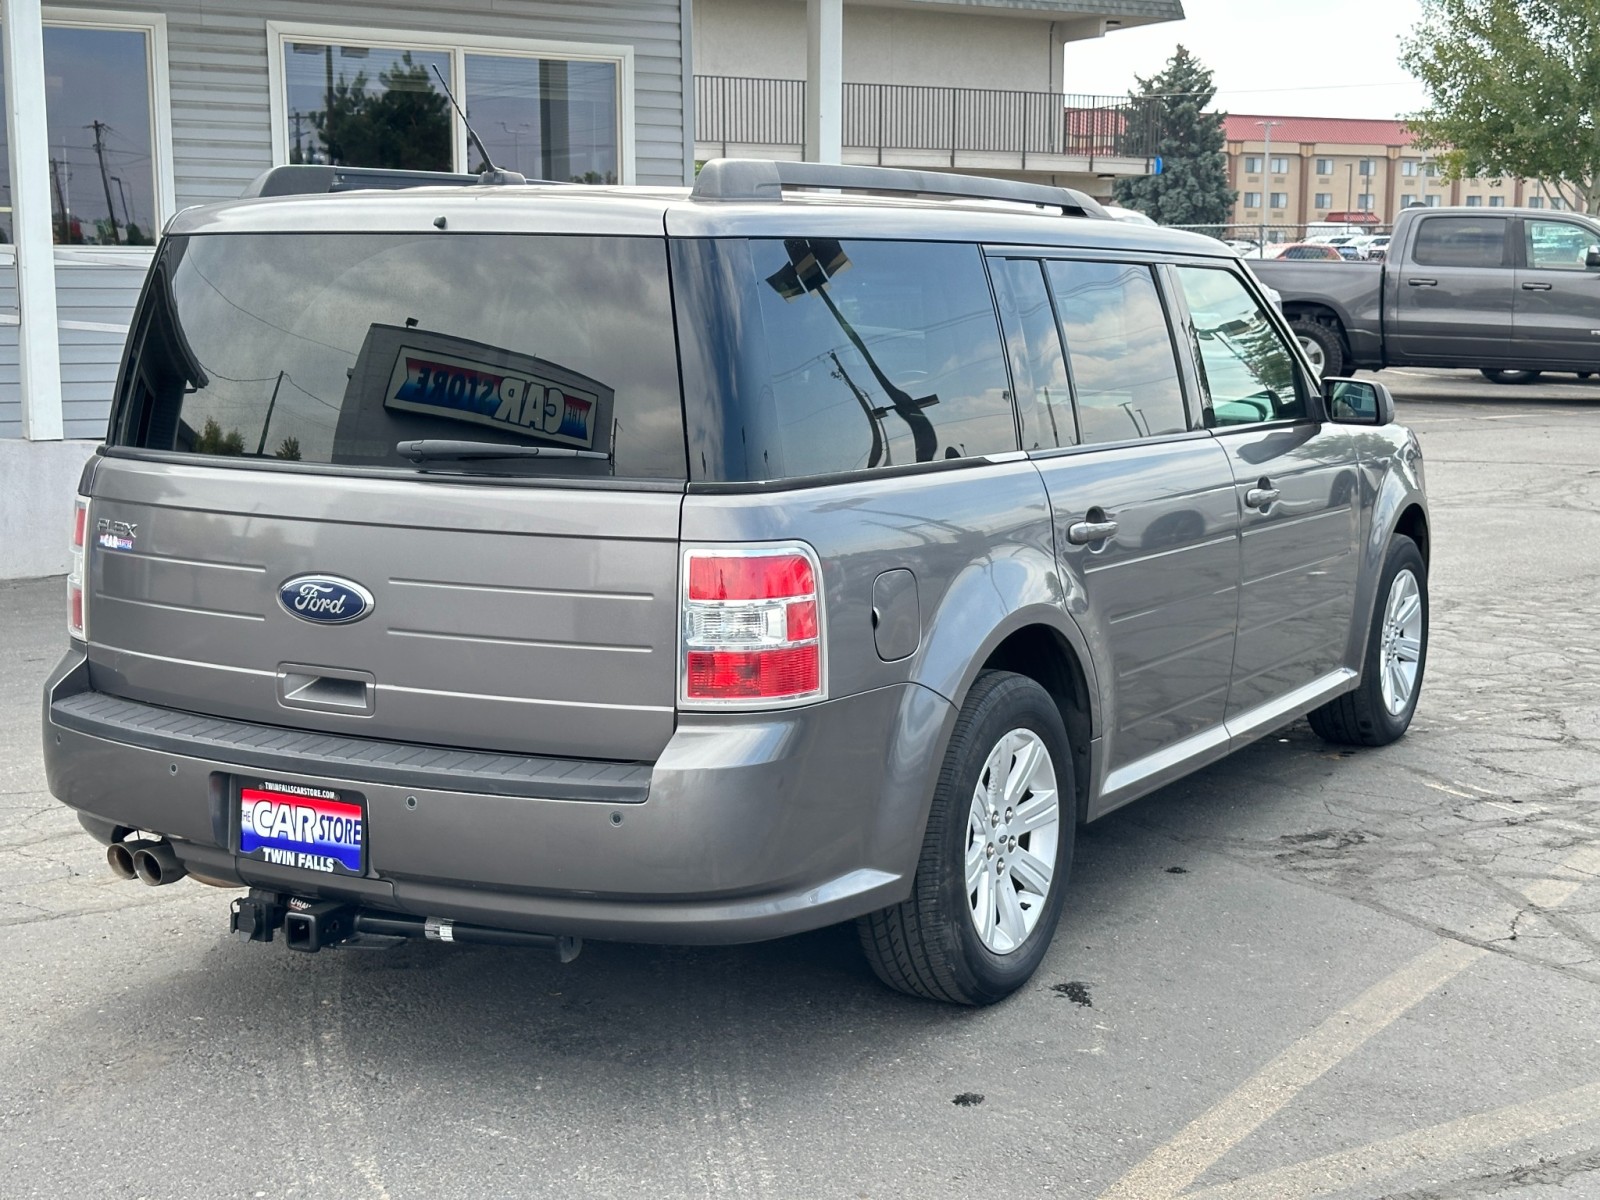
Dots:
(523, 564)
(1304, 252)
(1511, 292)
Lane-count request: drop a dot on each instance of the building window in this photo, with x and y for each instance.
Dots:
(1431, 170)
(110, 154)
(1431, 201)
(1324, 200)
(1280, 166)
(1252, 199)
(1365, 168)
(1497, 201)
(1252, 165)
(1474, 201)
(1324, 166)
(1364, 202)
(1409, 167)
(362, 98)
(1280, 199)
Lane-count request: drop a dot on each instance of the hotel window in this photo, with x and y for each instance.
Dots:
(1364, 201)
(1324, 200)
(1497, 201)
(1279, 165)
(1431, 201)
(1252, 165)
(1280, 199)
(1324, 166)
(1474, 201)
(1252, 199)
(105, 114)
(374, 99)
(1410, 167)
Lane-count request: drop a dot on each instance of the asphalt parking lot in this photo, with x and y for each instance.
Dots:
(1303, 972)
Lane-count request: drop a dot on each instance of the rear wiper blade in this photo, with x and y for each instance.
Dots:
(436, 449)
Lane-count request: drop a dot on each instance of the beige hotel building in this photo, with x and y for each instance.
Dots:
(1348, 170)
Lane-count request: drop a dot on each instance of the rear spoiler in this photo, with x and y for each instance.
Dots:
(312, 179)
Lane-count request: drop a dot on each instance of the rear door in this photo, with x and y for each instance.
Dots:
(271, 556)
(1452, 293)
(1557, 305)
(1143, 506)
(1297, 485)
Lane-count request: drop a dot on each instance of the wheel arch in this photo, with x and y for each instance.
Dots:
(1042, 654)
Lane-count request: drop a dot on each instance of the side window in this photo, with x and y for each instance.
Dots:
(1461, 242)
(1124, 364)
(1038, 366)
(878, 354)
(1558, 245)
(1247, 372)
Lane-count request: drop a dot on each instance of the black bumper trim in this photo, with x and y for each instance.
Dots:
(300, 752)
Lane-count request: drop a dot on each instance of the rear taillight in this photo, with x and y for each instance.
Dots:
(752, 627)
(77, 605)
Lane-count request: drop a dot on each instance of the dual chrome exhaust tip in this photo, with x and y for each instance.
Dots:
(152, 863)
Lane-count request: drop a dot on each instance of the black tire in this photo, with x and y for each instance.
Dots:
(1496, 375)
(928, 945)
(1361, 718)
(1327, 339)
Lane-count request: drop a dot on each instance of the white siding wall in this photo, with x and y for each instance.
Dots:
(222, 139)
(767, 39)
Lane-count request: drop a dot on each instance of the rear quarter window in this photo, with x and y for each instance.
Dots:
(810, 356)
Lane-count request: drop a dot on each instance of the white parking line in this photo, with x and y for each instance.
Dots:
(1171, 1168)
(1420, 1148)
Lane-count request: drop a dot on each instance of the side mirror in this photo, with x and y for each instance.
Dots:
(1357, 402)
(1592, 259)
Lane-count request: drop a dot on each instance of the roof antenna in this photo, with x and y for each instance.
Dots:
(490, 174)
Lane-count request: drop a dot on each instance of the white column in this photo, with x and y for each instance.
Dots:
(22, 38)
(824, 80)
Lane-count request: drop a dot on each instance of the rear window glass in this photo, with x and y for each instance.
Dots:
(810, 356)
(1461, 242)
(334, 348)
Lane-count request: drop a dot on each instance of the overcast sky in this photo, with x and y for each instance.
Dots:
(1288, 57)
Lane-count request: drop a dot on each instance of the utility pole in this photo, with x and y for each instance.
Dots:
(299, 119)
(1266, 178)
(100, 127)
(61, 202)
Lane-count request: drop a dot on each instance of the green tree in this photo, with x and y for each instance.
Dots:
(403, 126)
(1512, 86)
(1192, 188)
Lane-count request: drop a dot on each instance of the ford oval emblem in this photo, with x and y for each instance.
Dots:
(324, 599)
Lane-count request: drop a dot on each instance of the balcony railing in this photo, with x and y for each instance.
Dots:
(946, 120)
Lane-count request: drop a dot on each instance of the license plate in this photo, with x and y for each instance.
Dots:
(309, 828)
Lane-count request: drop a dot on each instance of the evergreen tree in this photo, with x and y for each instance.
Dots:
(1192, 188)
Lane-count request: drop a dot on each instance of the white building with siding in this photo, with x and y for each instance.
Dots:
(120, 115)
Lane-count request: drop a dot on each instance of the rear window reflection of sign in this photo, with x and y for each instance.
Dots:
(426, 381)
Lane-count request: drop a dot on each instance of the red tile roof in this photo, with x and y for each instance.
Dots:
(1325, 130)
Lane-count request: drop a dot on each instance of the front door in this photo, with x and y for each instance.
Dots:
(1452, 293)
(1557, 301)
(1298, 493)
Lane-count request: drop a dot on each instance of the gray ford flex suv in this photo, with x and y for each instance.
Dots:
(523, 564)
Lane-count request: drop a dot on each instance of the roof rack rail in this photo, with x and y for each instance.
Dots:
(310, 179)
(762, 179)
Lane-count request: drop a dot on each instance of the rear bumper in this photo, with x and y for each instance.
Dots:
(751, 826)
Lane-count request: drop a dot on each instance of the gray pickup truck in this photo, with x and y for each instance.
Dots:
(1514, 292)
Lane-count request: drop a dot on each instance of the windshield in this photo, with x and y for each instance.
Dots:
(335, 348)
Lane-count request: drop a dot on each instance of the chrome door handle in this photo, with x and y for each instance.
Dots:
(1260, 497)
(1538, 287)
(1082, 533)
(1423, 282)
